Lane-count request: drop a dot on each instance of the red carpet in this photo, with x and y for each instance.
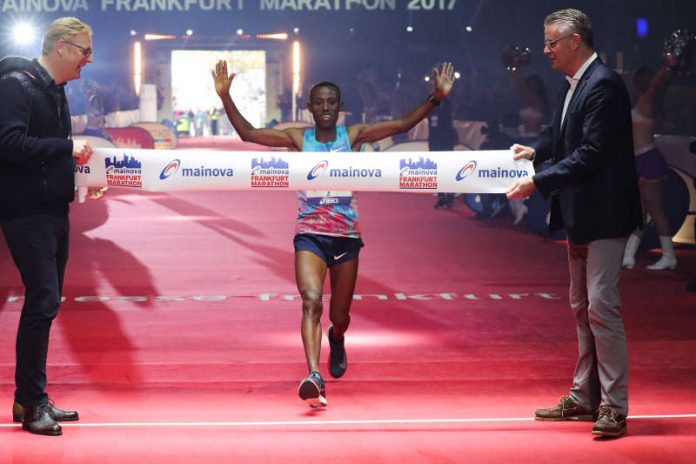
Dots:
(179, 341)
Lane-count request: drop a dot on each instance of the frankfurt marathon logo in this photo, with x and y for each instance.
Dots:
(202, 171)
(421, 174)
(126, 172)
(470, 169)
(273, 173)
(350, 171)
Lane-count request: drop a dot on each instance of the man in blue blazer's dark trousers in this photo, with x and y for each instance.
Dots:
(595, 197)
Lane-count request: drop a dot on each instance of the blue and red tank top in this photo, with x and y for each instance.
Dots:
(337, 217)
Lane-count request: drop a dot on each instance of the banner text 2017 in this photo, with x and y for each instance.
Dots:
(76, 6)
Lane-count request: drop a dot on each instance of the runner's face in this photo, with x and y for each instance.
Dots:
(324, 106)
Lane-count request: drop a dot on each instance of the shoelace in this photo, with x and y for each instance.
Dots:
(609, 412)
(566, 403)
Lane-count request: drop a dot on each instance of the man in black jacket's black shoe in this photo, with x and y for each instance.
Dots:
(37, 168)
(58, 415)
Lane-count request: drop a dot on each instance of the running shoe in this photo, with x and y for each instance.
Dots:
(312, 390)
(337, 358)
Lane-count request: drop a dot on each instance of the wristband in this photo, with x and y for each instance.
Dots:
(433, 100)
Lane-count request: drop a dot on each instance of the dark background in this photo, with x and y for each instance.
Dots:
(343, 45)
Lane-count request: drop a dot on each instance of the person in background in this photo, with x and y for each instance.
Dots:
(214, 121)
(533, 114)
(442, 137)
(493, 204)
(651, 166)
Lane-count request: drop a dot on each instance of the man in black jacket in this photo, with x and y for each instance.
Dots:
(37, 166)
(595, 196)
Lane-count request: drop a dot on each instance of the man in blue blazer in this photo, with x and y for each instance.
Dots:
(595, 197)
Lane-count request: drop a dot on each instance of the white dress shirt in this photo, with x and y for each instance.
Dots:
(574, 82)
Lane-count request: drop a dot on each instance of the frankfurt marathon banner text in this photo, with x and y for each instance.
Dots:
(84, 6)
(326, 173)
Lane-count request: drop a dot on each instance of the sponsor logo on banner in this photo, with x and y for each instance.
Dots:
(318, 168)
(170, 169)
(125, 172)
(350, 171)
(420, 175)
(498, 173)
(470, 169)
(200, 171)
(82, 169)
(273, 173)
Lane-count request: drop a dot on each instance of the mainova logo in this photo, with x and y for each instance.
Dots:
(466, 171)
(318, 169)
(170, 169)
(350, 171)
(500, 172)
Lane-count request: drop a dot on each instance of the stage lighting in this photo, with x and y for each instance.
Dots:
(137, 67)
(409, 28)
(240, 31)
(296, 30)
(276, 36)
(189, 32)
(457, 75)
(23, 33)
(426, 78)
(469, 29)
(159, 37)
(132, 32)
(296, 74)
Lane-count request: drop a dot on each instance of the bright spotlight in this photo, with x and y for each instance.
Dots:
(240, 31)
(189, 32)
(426, 78)
(469, 29)
(296, 73)
(137, 67)
(457, 75)
(23, 33)
(409, 28)
(132, 32)
(296, 30)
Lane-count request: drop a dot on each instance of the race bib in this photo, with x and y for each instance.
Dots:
(329, 197)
